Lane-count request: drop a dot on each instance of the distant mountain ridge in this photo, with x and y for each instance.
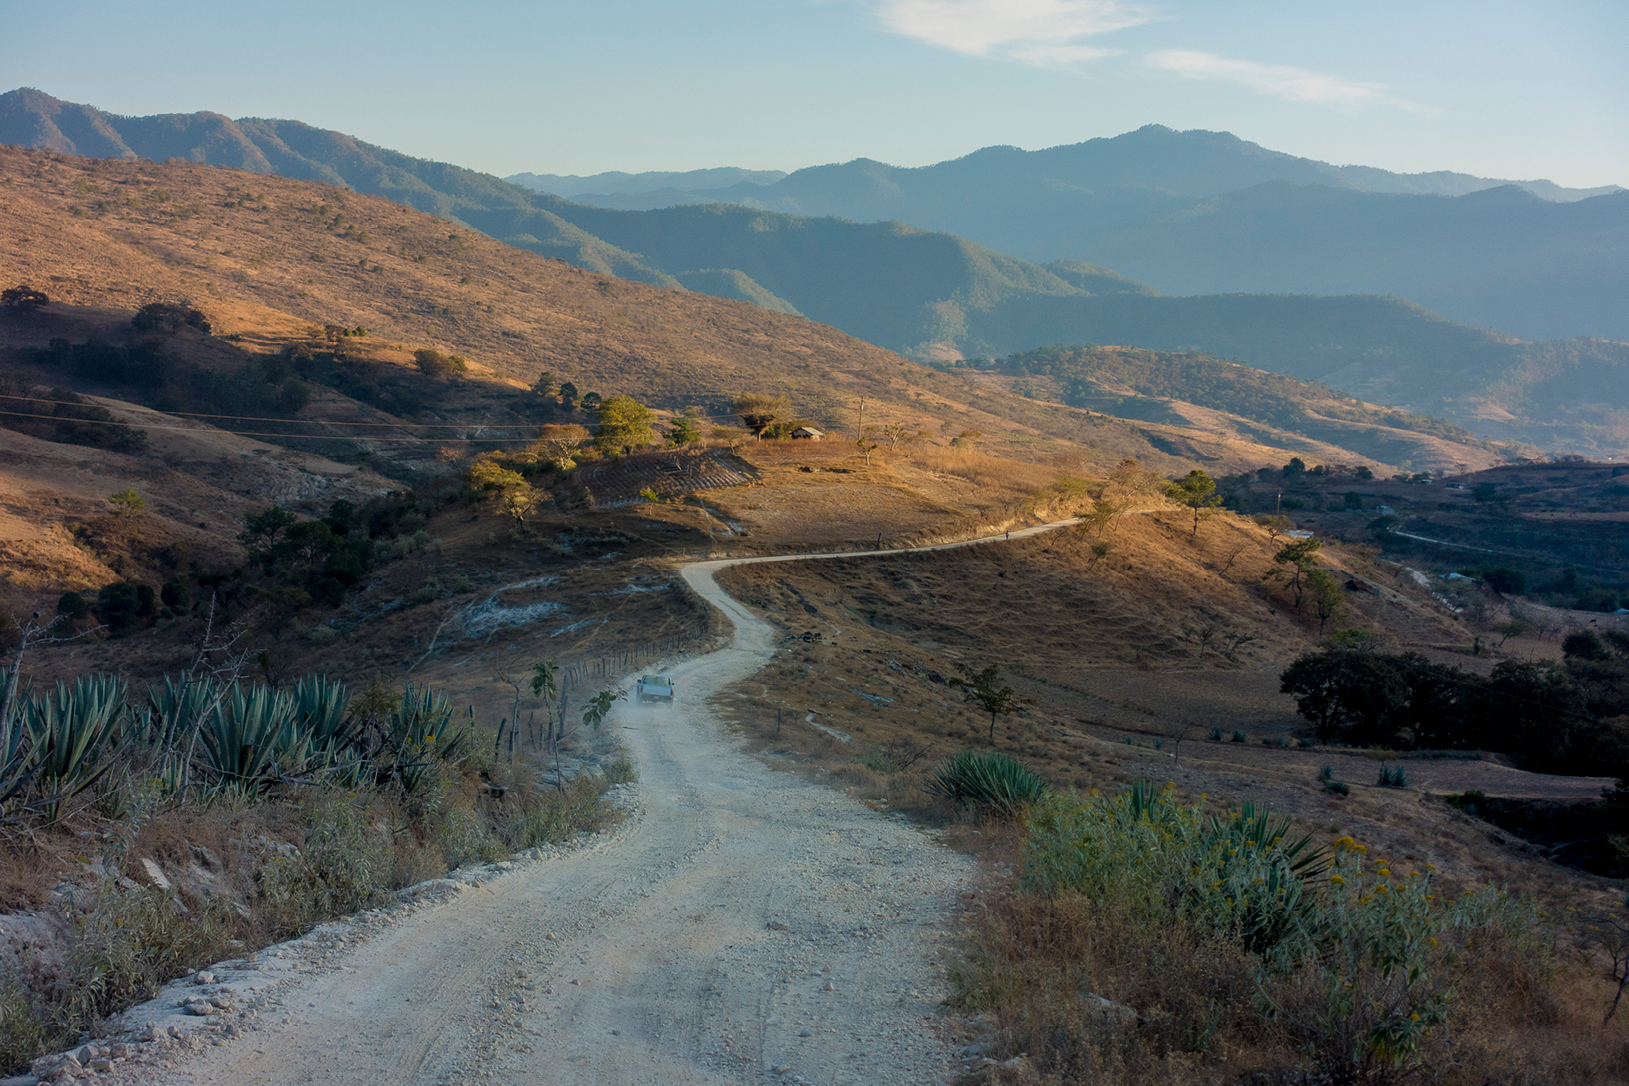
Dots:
(569, 185)
(1206, 212)
(928, 294)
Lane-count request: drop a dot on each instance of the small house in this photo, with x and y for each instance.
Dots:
(807, 433)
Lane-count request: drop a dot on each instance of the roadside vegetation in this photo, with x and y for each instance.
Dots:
(1150, 940)
(163, 828)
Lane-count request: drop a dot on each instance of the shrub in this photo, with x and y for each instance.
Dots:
(1238, 737)
(1349, 966)
(1216, 735)
(127, 944)
(168, 315)
(1393, 776)
(435, 365)
(990, 782)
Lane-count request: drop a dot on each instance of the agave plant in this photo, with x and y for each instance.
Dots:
(254, 739)
(68, 732)
(418, 734)
(990, 781)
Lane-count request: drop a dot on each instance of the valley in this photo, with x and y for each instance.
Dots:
(347, 516)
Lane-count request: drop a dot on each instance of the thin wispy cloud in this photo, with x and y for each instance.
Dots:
(1044, 33)
(1277, 80)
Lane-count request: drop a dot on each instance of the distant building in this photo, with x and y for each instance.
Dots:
(807, 433)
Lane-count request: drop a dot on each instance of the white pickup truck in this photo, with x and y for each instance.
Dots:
(656, 688)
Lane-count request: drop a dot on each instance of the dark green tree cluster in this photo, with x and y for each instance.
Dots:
(1554, 718)
(170, 317)
(318, 559)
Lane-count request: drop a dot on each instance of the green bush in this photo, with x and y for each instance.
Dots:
(990, 782)
(1354, 961)
(1393, 776)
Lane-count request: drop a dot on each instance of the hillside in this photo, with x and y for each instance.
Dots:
(269, 258)
(930, 295)
(1201, 212)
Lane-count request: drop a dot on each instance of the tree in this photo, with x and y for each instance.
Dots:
(559, 444)
(759, 411)
(126, 503)
(1326, 595)
(1276, 525)
(568, 395)
(624, 423)
(1196, 491)
(24, 299)
(1352, 696)
(171, 315)
(866, 446)
(1295, 560)
(511, 494)
(1102, 517)
(984, 689)
(1295, 468)
(686, 428)
(435, 365)
(544, 385)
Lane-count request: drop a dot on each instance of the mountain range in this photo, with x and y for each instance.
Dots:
(932, 295)
(1201, 212)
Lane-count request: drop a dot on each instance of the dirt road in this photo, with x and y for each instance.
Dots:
(742, 926)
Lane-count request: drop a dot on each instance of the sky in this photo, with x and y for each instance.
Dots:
(1494, 88)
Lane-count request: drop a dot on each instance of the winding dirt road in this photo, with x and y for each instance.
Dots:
(742, 926)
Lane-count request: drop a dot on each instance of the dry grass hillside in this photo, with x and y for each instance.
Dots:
(267, 257)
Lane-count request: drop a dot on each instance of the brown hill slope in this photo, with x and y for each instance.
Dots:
(267, 257)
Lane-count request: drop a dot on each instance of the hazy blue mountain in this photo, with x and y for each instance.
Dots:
(616, 181)
(928, 293)
(1201, 212)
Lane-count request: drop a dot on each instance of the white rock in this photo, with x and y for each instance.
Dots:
(155, 874)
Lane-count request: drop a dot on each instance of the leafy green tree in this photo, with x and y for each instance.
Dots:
(1196, 491)
(983, 687)
(1327, 597)
(685, 429)
(545, 680)
(544, 385)
(1294, 561)
(1355, 697)
(435, 365)
(510, 493)
(1295, 468)
(568, 395)
(126, 503)
(624, 424)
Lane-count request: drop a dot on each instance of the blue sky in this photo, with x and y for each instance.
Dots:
(1516, 90)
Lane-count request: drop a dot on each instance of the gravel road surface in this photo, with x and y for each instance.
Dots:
(741, 926)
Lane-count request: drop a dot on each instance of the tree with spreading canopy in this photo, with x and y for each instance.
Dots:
(624, 425)
(983, 687)
(509, 491)
(1196, 491)
(758, 411)
(558, 443)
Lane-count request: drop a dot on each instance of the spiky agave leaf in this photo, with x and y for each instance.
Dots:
(69, 729)
(989, 780)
